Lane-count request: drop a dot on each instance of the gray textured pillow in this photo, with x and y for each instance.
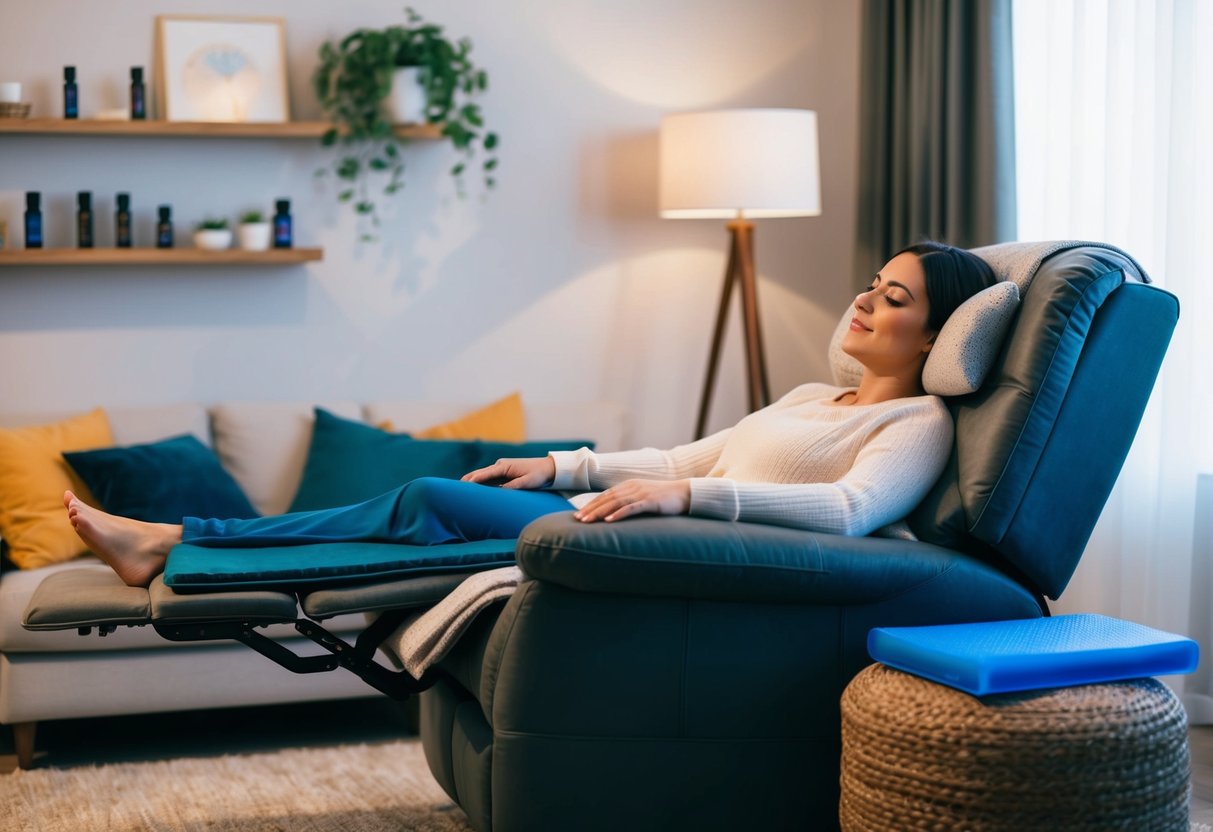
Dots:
(964, 351)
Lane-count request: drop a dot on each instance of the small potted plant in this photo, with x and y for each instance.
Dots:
(354, 83)
(213, 234)
(254, 231)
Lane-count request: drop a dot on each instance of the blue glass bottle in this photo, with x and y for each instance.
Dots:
(33, 220)
(84, 219)
(282, 224)
(138, 94)
(164, 228)
(122, 222)
(71, 98)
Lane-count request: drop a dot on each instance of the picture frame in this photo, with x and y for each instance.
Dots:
(221, 68)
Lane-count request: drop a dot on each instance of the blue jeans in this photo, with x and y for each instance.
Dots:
(424, 512)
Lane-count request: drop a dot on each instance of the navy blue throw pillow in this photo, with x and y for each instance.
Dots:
(161, 482)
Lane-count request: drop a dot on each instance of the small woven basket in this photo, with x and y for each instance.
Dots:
(12, 109)
(917, 755)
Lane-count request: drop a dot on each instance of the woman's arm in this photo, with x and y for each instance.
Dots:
(892, 473)
(584, 470)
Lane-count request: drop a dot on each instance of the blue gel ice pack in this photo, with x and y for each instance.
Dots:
(1003, 656)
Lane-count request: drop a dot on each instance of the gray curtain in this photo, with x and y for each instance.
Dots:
(937, 146)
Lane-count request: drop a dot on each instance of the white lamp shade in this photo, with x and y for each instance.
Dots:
(756, 163)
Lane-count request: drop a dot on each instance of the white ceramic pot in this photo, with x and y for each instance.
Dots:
(405, 103)
(254, 236)
(213, 239)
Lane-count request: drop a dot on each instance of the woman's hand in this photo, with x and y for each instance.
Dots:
(534, 472)
(637, 497)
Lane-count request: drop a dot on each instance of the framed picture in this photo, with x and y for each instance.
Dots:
(221, 68)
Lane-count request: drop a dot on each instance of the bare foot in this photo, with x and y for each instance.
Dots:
(134, 549)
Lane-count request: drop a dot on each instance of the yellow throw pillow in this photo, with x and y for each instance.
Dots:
(502, 421)
(33, 477)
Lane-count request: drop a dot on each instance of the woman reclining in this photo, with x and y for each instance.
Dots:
(822, 458)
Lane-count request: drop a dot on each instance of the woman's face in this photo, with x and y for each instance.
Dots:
(889, 329)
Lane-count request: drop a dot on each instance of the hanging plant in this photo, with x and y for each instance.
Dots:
(355, 77)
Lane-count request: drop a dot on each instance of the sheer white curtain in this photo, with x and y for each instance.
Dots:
(1114, 133)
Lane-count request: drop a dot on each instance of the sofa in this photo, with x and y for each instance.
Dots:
(685, 673)
(132, 670)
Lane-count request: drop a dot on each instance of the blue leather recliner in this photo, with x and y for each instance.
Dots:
(680, 673)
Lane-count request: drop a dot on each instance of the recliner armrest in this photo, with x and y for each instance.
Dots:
(692, 557)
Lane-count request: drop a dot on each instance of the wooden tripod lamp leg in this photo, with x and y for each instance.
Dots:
(722, 315)
(740, 269)
(756, 362)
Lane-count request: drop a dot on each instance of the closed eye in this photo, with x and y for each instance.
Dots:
(876, 285)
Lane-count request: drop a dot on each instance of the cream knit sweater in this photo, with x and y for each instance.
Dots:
(803, 461)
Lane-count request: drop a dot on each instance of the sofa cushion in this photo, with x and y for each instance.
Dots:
(161, 482)
(33, 477)
(151, 423)
(264, 446)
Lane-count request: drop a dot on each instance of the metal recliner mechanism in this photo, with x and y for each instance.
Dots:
(83, 600)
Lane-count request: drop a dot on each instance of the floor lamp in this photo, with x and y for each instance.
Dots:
(739, 165)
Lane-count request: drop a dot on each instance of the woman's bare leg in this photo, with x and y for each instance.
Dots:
(134, 549)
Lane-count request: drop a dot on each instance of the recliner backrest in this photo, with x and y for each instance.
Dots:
(1039, 446)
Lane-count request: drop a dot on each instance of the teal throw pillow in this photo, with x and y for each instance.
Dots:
(161, 482)
(350, 461)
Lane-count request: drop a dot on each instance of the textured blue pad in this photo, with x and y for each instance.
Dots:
(1003, 656)
(198, 569)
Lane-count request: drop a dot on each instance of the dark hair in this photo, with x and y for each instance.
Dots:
(953, 275)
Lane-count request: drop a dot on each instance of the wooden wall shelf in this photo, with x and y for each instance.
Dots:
(195, 129)
(157, 257)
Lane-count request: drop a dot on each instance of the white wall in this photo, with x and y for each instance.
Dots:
(563, 283)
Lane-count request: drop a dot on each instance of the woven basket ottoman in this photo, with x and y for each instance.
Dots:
(918, 755)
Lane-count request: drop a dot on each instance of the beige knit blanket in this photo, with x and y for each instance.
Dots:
(424, 638)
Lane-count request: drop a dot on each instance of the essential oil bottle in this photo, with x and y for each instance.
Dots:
(71, 98)
(33, 219)
(138, 94)
(122, 222)
(84, 219)
(282, 224)
(164, 228)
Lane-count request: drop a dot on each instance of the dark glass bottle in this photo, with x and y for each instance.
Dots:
(84, 219)
(282, 224)
(122, 222)
(138, 94)
(33, 220)
(164, 228)
(71, 98)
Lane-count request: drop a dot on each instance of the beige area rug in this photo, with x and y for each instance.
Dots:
(348, 788)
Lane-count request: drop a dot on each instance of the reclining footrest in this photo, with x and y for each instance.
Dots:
(91, 598)
(83, 599)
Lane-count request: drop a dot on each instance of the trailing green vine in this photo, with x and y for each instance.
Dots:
(355, 76)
